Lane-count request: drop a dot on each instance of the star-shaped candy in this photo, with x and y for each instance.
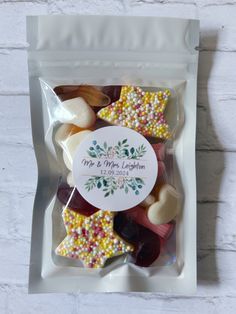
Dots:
(140, 111)
(91, 239)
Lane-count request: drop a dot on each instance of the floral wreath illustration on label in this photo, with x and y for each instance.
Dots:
(109, 184)
(114, 168)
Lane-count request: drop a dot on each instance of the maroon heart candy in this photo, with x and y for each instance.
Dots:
(77, 202)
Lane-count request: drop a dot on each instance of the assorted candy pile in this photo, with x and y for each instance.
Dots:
(94, 235)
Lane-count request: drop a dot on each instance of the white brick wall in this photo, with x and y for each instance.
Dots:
(216, 171)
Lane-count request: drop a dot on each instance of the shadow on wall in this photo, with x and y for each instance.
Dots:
(208, 188)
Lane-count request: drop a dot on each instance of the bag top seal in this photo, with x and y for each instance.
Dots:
(86, 33)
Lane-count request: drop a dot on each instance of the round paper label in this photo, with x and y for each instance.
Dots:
(115, 168)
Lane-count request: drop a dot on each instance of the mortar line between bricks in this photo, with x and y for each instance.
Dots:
(14, 93)
(170, 297)
(207, 202)
(214, 249)
(190, 3)
(17, 144)
(216, 150)
(140, 2)
(16, 47)
(25, 239)
(218, 4)
(22, 1)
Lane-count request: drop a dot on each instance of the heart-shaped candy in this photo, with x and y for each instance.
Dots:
(70, 179)
(64, 131)
(167, 207)
(70, 145)
(76, 111)
(73, 199)
(147, 244)
(148, 248)
(148, 201)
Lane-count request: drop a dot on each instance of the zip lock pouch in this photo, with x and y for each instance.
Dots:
(113, 109)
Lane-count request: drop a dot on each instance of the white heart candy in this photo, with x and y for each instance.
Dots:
(167, 207)
(148, 201)
(67, 160)
(70, 145)
(70, 179)
(64, 131)
(76, 111)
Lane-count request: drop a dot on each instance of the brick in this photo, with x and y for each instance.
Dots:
(215, 116)
(20, 302)
(14, 261)
(12, 21)
(199, 3)
(21, 215)
(216, 226)
(5, 213)
(170, 305)
(86, 7)
(215, 72)
(15, 125)
(3, 300)
(16, 214)
(216, 176)
(216, 275)
(18, 168)
(157, 8)
(218, 26)
(14, 71)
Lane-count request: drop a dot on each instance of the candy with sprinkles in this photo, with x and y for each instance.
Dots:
(91, 240)
(139, 110)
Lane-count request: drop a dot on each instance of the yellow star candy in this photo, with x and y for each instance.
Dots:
(140, 111)
(91, 239)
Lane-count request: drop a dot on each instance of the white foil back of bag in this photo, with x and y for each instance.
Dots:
(107, 50)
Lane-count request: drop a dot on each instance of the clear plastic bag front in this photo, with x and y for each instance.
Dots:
(88, 234)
